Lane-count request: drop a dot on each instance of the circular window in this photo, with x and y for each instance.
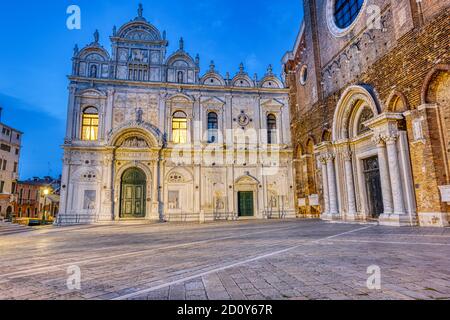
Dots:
(342, 15)
(303, 75)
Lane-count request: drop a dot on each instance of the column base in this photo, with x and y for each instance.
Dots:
(396, 220)
(351, 217)
(330, 216)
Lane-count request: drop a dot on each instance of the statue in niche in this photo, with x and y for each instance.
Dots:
(139, 115)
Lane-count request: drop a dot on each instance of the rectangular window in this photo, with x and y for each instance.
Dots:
(89, 130)
(179, 131)
(5, 162)
(5, 147)
(13, 188)
(17, 152)
(15, 167)
(2, 186)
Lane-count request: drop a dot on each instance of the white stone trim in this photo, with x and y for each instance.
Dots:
(331, 23)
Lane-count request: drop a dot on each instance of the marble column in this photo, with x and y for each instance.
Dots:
(326, 199)
(396, 178)
(332, 190)
(384, 175)
(351, 198)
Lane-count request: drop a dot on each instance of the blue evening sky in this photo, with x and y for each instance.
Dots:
(37, 49)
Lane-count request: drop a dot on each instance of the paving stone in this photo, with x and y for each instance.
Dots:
(150, 262)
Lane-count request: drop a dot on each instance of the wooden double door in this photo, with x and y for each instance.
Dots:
(245, 204)
(133, 194)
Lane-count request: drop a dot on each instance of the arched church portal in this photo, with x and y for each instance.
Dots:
(133, 194)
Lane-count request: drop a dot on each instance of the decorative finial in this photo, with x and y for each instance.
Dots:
(114, 31)
(227, 76)
(181, 44)
(241, 68)
(164, 35)
(255, 77)
(96, 36)
(76, 50)
(270, 69)
(197, 59)
(140, 10)
(212, 66)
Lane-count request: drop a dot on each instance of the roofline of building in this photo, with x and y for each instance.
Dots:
(9, 127)
(291, 54)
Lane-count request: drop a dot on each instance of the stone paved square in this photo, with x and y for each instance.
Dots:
(293, 259)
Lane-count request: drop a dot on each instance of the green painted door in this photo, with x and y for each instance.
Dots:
(245, 200)
(133, 194)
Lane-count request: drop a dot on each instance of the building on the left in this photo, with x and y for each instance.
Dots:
(10, 144)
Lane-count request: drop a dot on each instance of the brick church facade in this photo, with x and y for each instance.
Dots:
(370, 104)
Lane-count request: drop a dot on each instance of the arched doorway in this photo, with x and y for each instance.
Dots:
(133, 194)
(9, 214)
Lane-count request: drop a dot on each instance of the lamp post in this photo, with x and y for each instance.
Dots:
(46, 193)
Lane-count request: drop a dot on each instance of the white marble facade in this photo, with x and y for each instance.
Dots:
(136, 92)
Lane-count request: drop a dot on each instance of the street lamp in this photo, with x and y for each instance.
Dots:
(46, 193)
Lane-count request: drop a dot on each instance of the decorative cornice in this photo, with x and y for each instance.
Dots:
(176, 86)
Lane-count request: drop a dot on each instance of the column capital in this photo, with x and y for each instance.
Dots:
(321, 159)
(390, 138)
(378, 140)
(347, 155)
(329, 156)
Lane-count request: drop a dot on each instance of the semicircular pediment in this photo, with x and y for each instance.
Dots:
(139, 31)
(136, 131)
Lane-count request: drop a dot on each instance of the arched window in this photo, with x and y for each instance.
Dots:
(179, 128)
(365, 115)
(93, 72)
(180, 77)
(89, 129)
(271, 129)
(213, 126)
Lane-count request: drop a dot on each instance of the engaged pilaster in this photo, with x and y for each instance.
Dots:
(384, 175)
(394, 170)
(332, 190)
